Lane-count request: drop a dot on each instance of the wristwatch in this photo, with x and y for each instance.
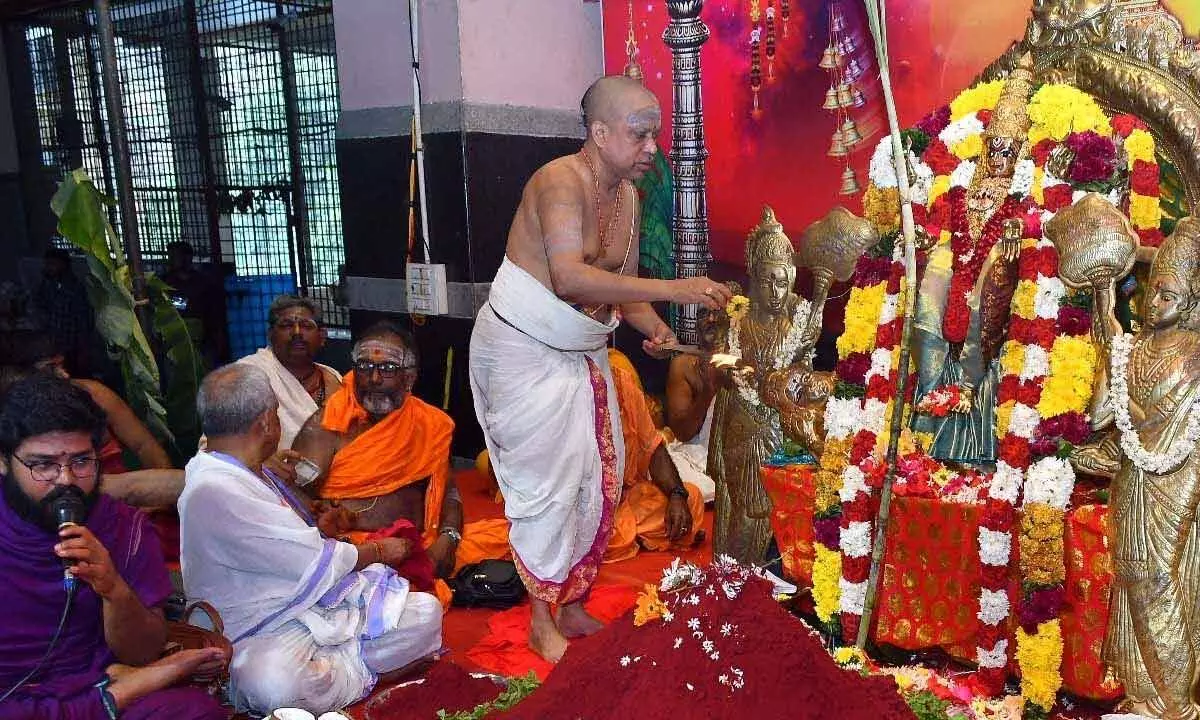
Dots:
(679, 490)
(454, 535)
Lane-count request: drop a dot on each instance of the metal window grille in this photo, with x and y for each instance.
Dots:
(231, 109)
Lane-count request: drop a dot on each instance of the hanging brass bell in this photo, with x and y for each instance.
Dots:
(847, 45)
(830, 59)
(845, 96)
(837, 21)
(831, 99)
(837, 148)
(849, 182)
(854, 69)
(850, 134)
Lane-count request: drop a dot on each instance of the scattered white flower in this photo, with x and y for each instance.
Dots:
(731, 589)
(694, 624)
(667, 616)
(707, 645)
(625, 661)
(726, 629)
(736, 671)
(710, 590)
(698, 635)
(693, 599)
(678, 643)
(723, 679)
(689, 687)
(715, 655)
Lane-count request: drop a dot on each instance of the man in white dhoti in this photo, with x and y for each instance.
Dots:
(300, 384)
(539, 366)
(314, 622)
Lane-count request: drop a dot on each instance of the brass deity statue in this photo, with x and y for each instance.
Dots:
(970, 361)
(1148, 389)
(769, 340)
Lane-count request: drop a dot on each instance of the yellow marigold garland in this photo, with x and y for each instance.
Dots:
(983, 96)
(862, 318)
(1040, 655)
(1059, 110)
(827, 571)
(1068, 387)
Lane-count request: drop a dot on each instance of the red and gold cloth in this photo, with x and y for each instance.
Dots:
(792, 491)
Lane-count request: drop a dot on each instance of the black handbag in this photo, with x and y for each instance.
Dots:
(490, 584)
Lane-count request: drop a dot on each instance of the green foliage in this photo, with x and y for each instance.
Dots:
(915, 140)
(518, 689)
(844, 390)
(657, 245)
(1172, 198)
(80, 208)
(1034, 712)
(926, 706)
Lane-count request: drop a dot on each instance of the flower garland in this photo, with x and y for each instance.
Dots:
(1131, 444)
(1047, 368)
(783, 357)
(1144, 178)
(865, 472)
(1048, 362)
(843, 414)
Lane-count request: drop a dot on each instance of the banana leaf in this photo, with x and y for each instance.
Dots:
(82, 220)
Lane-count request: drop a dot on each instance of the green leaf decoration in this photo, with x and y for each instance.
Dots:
(82, 220)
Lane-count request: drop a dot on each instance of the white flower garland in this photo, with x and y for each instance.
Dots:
(961, 129)
(963, 172)
(1023, 174)
(842, 416)
(1006, 483)
(993, 606)
(853, 482)
(786, 354)
(853, 596)
(994, 547)
(997, 657)
(855, 540)
(1050, 482)
(1024, 421)
(1131, 444)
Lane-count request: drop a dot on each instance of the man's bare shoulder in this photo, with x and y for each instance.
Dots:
(561, 175)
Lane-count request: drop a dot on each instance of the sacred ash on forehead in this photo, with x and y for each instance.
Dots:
(380, 351)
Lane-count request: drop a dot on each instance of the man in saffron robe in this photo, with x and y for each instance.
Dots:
(315, 623)
(658, 511)
(106, 657)
(384, 454)
(539, 371)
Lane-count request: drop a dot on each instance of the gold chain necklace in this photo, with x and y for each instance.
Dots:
(603, 227)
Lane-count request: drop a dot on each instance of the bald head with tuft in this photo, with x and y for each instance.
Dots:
(614, 97)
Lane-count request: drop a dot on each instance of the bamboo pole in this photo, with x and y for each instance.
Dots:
(877, 18)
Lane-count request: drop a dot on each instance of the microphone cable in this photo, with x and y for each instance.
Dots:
(62, 622)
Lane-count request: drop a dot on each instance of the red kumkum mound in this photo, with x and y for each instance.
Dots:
(716, 657)
(447, 687)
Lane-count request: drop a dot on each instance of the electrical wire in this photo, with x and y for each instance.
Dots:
(62, 622)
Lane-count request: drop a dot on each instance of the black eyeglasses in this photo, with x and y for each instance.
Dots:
(387, 370)
(48, 471)
(288, 323)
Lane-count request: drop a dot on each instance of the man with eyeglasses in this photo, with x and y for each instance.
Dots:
(104, 659)
(384, 454)
(300, 383)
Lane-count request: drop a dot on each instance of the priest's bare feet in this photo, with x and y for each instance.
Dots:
(544, 636)
(575, 622)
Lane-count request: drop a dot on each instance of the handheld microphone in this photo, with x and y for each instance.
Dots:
(68, 509)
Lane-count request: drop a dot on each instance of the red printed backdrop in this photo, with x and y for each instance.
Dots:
(779, 157)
